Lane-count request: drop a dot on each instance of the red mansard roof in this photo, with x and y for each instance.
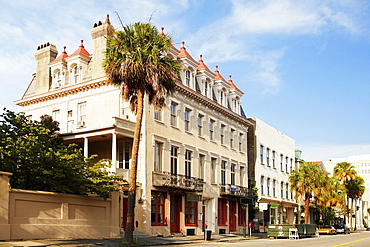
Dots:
(81, 50)
(62, 56)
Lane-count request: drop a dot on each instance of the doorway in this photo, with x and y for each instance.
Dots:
(175, 211)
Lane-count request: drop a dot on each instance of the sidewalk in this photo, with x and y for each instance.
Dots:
(144, 241)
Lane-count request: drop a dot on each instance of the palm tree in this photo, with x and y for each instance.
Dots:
(305, 181)
(344, 172)
(355, 190)
(136, 61)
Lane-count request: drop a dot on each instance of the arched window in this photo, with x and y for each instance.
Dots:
(76, 74)
(187, 78)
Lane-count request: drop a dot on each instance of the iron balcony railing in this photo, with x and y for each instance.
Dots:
(234, 190)
(166, 179)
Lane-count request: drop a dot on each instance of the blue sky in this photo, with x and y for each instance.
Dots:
(304, 66)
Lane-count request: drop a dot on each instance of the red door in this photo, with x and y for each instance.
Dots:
(124, 212)
(175, 213)
(232, 216)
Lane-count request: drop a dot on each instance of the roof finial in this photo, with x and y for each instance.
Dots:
(162, 28)
(183, 44)
(82, 43)
(201, 57)
(216, 67)
(230, 77)
(65, 49)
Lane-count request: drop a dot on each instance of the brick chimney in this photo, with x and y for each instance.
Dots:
(44, 55)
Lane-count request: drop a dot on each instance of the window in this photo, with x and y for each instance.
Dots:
(291, 165)
(200, 125)
(57, 79)
(281, 162)
(222, 134)
(158, 147)
(188, 164)
(56, 115)
(241, 138)
(282, 190)
(191, 213)
(261, 154)
(232, 133)
(242, 174)
(222, 212)
(287, 191)
(242, 215)
(286, 164)
(274, 159)
(124, 155)
(174, 154)
(201, 166)
(274, 187)
(268, 186)
(213, 170)
(223, 172)
(81, 117)
(158, 115)
(157, 210)
(232, 169)
(187, 119)
(262, 185)
(187, 78)
(173, 118)
(211, 129)
(76, 74)
(222, 98)
(206, 88)
(268, 157)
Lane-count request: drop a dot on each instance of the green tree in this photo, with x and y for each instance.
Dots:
(344, 172)
(136, 61)
(33, 152)
(305, 181)
(355, 190)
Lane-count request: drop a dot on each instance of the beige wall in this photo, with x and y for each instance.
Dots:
(28, 214)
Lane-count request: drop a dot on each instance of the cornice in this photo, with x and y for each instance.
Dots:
(212, 105)
(63, 92)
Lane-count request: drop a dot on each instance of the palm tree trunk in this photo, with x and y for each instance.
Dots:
(133, 171)
(306, 208)
(351, 213)
(345, 209)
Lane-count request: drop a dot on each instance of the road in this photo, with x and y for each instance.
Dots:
(361, 239)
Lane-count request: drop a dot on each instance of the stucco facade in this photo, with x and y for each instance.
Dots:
(192, 168)
(274, 161)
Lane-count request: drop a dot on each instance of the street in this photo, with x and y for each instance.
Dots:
(360, 239)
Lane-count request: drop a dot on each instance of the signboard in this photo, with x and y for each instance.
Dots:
(274, 206)
(263, 206)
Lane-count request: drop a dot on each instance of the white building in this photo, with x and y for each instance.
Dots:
(192, 168)
(361, 164)
(274, 161)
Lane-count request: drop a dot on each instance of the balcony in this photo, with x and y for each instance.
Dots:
(234, 190)
(166, 179)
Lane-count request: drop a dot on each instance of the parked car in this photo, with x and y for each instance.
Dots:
(326, 229)
(342, 229)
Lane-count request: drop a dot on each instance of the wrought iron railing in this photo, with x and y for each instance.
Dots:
(234, 190)
(166, 179)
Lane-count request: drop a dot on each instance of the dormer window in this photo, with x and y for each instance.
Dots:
(222, 97)
(206, 88)
(57, 82)
(76, 74)
(187, 78)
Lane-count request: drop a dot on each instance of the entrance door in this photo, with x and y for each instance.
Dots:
(175, 205)
(124, 213)
(232, 216)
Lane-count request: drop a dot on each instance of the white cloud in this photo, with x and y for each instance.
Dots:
(326, 151)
